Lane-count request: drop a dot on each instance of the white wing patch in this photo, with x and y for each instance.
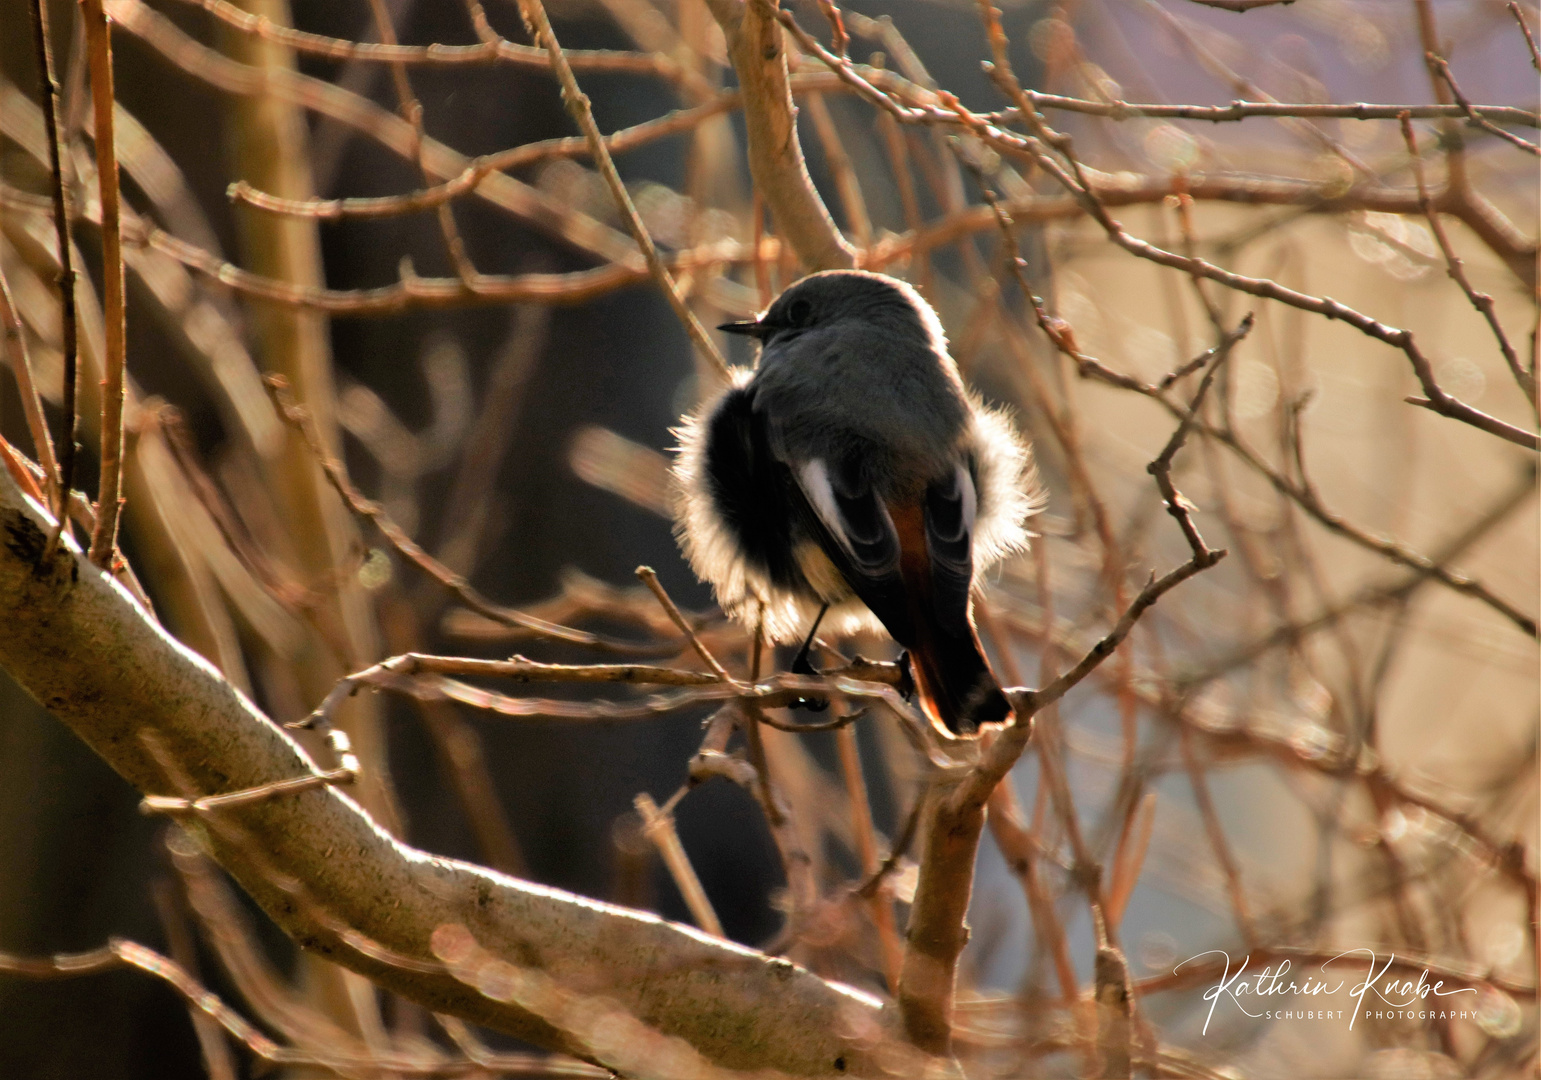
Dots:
(969, 497)
(813, 478)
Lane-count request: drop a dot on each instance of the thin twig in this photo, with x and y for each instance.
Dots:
(414, 292)
(119, 953)
(1025, 703)
(867, 852)
(1530, 41)
(1243, 110)
(479, 168)
(924, 101)
(1126, 869)
(649, 578)
(847, 184)
(104, 538)
(1075, 180)
(424, 677)
(217, 1059)
(1199, 784)
(69, 327)
(578, 105)
(1437, 399)
(1305, 496)
(412, 112)
(658, 827)
(937, 935)
(167, 804)
(31, 402)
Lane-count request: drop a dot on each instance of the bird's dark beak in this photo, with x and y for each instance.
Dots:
(750, 327)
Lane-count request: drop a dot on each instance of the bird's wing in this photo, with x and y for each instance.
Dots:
(881, 544)
(950, 506)
(911, 562)
(854, 528)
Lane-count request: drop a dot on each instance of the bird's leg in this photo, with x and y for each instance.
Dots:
(801, 666)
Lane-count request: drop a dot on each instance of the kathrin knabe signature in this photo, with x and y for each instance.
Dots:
(1399, 995)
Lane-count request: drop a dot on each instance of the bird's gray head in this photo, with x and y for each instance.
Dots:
(834, 298)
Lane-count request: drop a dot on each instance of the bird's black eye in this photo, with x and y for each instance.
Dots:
(798, 312)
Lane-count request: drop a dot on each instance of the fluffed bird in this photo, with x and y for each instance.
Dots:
(851, 477)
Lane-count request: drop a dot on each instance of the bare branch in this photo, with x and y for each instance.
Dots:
(495, 50)
(118, 953)
(937, 933)
(514, 158)
(658, 826)
(649, 578)
(1118, 109)
(920, 106)
(69, 328)
(775, 154)
(279, 84)
(392, 913)
(1530, 41)
(170, 804)
(418, 292)
(422, 677)
(104, 537)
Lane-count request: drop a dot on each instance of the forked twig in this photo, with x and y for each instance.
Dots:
(578, 105)
(1473, 117)
(1457, 270)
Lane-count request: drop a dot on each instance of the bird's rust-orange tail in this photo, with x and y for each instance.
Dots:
(953, 680)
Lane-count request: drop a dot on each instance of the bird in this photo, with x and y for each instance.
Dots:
(851, 480)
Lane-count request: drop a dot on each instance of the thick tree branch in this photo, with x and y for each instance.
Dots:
(775, 154)
(454, 937)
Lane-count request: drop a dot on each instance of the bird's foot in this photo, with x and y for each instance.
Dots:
(802, 666)
(906, 685)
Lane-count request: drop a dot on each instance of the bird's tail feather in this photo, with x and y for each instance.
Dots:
(954, 683)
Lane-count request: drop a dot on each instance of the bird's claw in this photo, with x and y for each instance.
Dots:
(906, 687)
(802, 666)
